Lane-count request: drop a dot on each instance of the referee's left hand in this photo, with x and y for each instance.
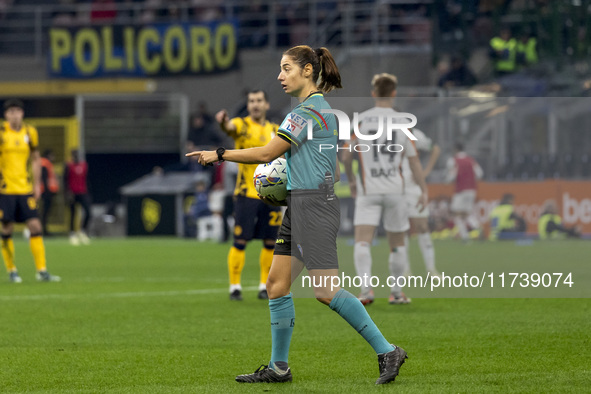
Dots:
(205, 157)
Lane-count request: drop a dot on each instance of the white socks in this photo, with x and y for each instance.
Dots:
(462, 229)
(398, 263)
(362, 256)
(426, 245)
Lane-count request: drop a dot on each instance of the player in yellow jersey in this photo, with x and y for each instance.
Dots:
(253, 218)
(20, 188)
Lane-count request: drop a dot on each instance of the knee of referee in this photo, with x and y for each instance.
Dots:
(277, 287)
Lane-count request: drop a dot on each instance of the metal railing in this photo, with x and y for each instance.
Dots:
(263, 24)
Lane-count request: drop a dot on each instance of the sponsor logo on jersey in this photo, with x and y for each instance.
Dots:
(294, 123)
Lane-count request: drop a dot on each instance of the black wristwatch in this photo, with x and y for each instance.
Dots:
(220, 152)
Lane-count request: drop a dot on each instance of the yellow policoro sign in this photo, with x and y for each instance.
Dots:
(161, 49)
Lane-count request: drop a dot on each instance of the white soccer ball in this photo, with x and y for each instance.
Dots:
(270, 179)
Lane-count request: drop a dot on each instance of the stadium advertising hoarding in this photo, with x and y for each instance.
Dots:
(162, 49)
(572, 197)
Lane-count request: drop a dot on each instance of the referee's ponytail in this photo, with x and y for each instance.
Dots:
(325, 71)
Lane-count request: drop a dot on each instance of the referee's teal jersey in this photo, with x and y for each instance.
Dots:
(309, 159)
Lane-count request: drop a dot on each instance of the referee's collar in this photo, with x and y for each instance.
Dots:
(312, 94)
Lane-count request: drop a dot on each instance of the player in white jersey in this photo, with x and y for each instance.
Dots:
(419, 221)
(381, 187)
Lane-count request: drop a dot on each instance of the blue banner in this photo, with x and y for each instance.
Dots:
(164, 49)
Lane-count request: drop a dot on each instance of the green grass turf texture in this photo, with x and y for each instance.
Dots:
(152, 315)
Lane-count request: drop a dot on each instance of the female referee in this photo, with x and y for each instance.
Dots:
(312, 218)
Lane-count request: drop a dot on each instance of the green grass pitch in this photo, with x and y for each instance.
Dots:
(153, 316)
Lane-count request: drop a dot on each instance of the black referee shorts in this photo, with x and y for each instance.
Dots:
(309, 230)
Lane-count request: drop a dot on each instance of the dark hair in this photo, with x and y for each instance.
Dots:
(459, 147)
(323, 66)
(11, 103)
(384, 84)
(47, 153)
(253, 91)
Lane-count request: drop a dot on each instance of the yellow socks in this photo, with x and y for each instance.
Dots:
(8, 253)
(38, 250)
(236, 259)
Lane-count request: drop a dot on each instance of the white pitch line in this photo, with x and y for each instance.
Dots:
(118, 295)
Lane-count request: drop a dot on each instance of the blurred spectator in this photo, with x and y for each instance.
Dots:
(103, 11)
(458, 75)
(190, 165)
(253, 28)
(550, 224)
(503, 219)
(209, 224)
(207, 10)
(76, 186)
(150, 11)
(502, 51)
(526, 50)
(65, 16)
(4, 6)
(203, 131)
(49, 186)
(129, 10)
(282, 25)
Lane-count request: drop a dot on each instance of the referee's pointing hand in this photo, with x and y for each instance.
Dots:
(205, 157)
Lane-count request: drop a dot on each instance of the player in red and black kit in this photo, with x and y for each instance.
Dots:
(465, 171)
(75, 175)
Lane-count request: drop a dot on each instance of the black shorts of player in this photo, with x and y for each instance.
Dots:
(309, 229)
(17, 208)
(253, 219)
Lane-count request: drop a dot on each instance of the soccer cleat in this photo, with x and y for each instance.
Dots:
(263, 295)
(83, 238)
(366, 298)
(264, 374)
(236, 295)
(74, 240)
(44, 276)
(398, 299)
(389, 364)
(14, 277)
